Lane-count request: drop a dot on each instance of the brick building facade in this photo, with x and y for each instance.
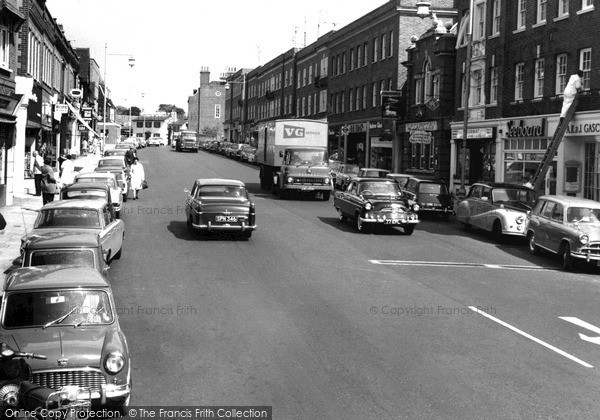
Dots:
(206, 106)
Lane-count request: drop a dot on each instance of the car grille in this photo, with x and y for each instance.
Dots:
(58, 378)
(593, 248)
(309, 180)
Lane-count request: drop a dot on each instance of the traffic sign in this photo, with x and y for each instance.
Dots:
(61, 108)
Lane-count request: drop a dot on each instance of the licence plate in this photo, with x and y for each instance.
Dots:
(225, 218)
(391, 222)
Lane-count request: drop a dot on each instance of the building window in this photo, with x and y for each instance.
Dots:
(351, 59)
(391, 49)
(542, 8)
(359, 52)
(561, 73)
(496, 10)
(299, 80)
(587, 4)
(374, 95)
(351, 99)
(383, 47)
(479, 22)
(427, 86)
(310, 75)
(304, 77)
(4, 48)
(390, 85)
(477, 87)
(366, 54)
(539, 78)
(418, 90)
(521, 13)
(563, 7)
(364, 97)
(322, 101)
(519, 71)
(435, 86)
(585, 64)
(139, 124)
(357, 98)
(381, 89)
(217, 111)
(375, 49)
(343, 62)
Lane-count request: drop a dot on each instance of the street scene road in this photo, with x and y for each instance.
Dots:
(320, 321)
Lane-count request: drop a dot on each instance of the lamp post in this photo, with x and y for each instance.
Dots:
(423, 10)
(105, 91)
(144, 116)
(131, 64)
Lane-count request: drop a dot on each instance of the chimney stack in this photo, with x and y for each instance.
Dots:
(204, 76)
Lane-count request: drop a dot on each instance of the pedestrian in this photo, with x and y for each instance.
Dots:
(84, 148)
(573, 86)
(38, 162)
(67, 176)
(130, 155)
(44, 149)
(49, 187)
(137, 177)
(61, 159)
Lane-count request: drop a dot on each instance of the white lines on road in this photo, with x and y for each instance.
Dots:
(460, 265)
(529, 336)
(586, 325)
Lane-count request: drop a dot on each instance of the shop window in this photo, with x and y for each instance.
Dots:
(585, 64)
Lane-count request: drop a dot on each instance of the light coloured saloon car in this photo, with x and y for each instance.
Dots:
(566, 226)
(496, 207)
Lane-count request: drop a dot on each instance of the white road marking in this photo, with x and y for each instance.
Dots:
(460, 264)
(537, 340)
(586, 325)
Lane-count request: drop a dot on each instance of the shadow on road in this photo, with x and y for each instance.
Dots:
(348, 226)
(180, 230)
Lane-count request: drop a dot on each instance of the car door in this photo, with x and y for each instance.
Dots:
(543, 232)
(343, 203)
(484, 209)
(473, 205)
(353, 200)
(555, 227)
(112, 232)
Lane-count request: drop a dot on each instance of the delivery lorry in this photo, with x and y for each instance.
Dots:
(292, 157)
(188, 140)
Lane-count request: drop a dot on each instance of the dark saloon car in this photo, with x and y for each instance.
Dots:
(376, 201)
(220, 205)
(69, 315)
(64, 248)
(431, 196)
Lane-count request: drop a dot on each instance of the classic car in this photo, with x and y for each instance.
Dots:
(121, 175)
(343, 175)
(83, 190)
(248, 154)
(376, 201)
(106, 177)
(401, 179)
(431, 196)
(156, 141)
(126, 145)
(566, 226)
(115, 152)
(220, 205)
(112, 162)
(496, 207)
(372, 173)
(69, 315)
(64, 248)
(82, 216)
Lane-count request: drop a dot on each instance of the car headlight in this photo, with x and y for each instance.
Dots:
(326, 181)
(290, 180)
(520, 219)
(584, 239)
(415, 207)
(368, 206)
(114, 362)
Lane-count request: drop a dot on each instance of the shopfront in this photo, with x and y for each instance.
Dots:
(352, 142)
(481, 150)
(381, 144)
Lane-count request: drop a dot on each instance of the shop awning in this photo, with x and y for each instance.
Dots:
(81, 120)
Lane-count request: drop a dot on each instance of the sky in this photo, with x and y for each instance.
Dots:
(172, 40)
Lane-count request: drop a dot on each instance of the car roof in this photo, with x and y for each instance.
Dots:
(95, 175)
(374, 169)
(220, 181)
(61, 240)
(54, 277)
(87, 186)
(433, 181)
(571, 201)
(503, 185)
(396, 174)
(370, 179)
(92, 203)
(112, 158)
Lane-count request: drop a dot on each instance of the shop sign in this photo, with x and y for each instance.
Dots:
(375, 125)
(583, 128)
(357, 128)
(86, 113)
(526, 128)
(422, 126)
(61, 108)
(474, 133)
(80, 127)
(423, 137)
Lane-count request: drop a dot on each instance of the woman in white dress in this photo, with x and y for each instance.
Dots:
(137, 176)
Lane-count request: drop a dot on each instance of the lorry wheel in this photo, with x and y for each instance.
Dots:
(326, 195)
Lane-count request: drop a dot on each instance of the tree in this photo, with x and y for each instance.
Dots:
(121, 110)
(210, 131)
(168, 108)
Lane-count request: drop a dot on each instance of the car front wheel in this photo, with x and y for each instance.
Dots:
(360, 226)
(533, 248)
(567, 259)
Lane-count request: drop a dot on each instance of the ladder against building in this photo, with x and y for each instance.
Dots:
(540, 173)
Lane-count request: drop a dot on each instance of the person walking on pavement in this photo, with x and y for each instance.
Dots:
(49, 187)
(130, 155)
(137, 177)
(573, 86)
(67, 176)
(38, 162)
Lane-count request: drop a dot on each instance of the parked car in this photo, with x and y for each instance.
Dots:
(431, 196)
(122, 177)
(566, 226)
(143, 142)
(126, 145)
(115, 152)
(64, 248)
(343, 175)
(92, 190)
(112, 162)
(499, 208)
(220, 205)
(401, 179)
(156, 141)
(69, 315)
(109, 179)
(82, 216)
(376, 201)
(246, 151)
(235, 151)
(372, 173)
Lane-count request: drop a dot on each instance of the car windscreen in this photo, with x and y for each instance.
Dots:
(83, 194)
(110, 162)
(307, 157)
(432, 188)
(79, 257)
(583, 215)
(351, 170)
(68, 218)
(110, 181)
(379, 188)
(40, 308)
(514, 196)
(230, 191)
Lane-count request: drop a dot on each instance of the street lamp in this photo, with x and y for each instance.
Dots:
(105, 91)
(131, 64)
(144, 116)
(423, 10)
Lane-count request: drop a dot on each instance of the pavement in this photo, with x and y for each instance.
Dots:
(22, 214)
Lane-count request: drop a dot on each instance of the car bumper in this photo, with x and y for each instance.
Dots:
(434, 210)
(110, 392)
(587, 256)
(388, 221)
(307, 188)
(213, 227)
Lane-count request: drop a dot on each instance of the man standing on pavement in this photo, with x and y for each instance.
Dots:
(38, 162)
(48, 182)
(67, 176)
